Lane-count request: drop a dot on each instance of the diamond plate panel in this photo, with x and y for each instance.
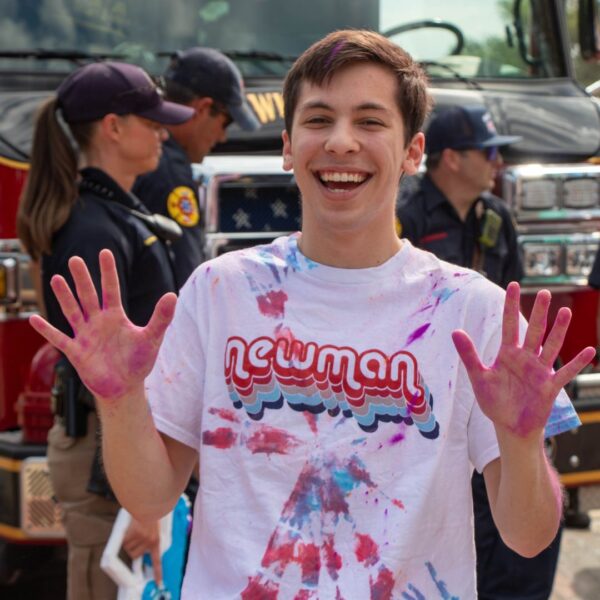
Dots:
(40, 512)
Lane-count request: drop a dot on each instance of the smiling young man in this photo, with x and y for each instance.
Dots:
(318, 378)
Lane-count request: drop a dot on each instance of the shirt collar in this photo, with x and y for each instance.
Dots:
(97, 182)
(433, 197)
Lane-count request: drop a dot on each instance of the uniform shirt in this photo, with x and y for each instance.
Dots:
(101, 219)
(172, 191)
(594, 278)
(430, 222)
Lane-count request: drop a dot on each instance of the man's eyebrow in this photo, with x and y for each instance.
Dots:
(315, 104)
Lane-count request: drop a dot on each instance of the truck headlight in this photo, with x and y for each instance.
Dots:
(580, 193)
(9, 279)
(580, 259)
(542, 260)
(538, 194)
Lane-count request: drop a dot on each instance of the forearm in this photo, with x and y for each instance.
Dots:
(136, 458)
(528, 499)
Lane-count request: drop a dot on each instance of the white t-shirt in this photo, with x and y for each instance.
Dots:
(335, 424)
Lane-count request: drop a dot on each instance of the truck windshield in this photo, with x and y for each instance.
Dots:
(470, 39)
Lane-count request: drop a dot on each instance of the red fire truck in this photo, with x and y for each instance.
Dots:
(513, 56)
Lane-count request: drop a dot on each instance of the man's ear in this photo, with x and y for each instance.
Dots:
(201, 105)
(451, 159)
(414, 154)
(288, 163)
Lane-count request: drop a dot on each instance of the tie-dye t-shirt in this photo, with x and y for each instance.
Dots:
(335, 426)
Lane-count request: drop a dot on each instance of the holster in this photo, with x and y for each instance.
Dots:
(71, 400)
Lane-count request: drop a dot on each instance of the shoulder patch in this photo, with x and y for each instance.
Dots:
(182, 206)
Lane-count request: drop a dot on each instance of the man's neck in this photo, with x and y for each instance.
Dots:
(455, 192)
(349, 250)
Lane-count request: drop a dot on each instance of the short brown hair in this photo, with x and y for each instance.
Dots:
(319, 63)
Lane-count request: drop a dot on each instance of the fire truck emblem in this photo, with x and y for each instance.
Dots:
(183, 206)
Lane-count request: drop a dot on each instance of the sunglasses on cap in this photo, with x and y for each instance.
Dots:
(491, 153)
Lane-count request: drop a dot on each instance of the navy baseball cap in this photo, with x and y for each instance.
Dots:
(464, 127)
(208, 72)
(102, 88)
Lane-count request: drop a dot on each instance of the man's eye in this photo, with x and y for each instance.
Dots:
(372, 122)
(317, 120)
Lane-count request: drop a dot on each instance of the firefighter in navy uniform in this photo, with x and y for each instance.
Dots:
(210, 83)
(107, 119)
(453, 214)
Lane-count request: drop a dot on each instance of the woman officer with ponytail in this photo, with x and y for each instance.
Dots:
(103, 128)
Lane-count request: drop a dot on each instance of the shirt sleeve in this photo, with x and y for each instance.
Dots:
(175, 387)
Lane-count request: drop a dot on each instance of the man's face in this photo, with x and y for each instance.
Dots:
(347, 151)
(478, 168)
(210, 125)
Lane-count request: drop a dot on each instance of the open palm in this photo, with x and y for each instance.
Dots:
(111, 355)
(518, 390)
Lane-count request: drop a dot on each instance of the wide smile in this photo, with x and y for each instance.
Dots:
(339, 181)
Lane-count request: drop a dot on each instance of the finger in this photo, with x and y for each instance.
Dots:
(556, 337)
(111, 292)
(161, 317)
(67, 302)
(57, 338)
(134, 549)
(572, 368)
(86, 291)
(510, 318)
(537, 322)
(156, 563)
(467, 352)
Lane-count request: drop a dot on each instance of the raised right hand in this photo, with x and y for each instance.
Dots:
(112, 355)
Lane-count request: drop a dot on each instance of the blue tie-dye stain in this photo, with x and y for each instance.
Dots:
(253, 286)
(415, 591)
(307, 502)
(345, 480)
(358, 441)
(269, 260)
(294, 258)
(443, 295)
(441, 585)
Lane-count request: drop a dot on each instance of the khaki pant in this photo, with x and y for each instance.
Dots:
(88, 518)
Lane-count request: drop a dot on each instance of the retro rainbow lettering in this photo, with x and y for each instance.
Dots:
(370, 386)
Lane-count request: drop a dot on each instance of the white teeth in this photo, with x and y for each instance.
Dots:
(343, 177)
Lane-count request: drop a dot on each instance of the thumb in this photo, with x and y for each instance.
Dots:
(161, 317)
(156, 560)
(467, 352)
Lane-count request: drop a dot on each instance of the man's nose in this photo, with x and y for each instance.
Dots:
(342, 139)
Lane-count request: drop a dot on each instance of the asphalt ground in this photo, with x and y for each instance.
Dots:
(578, 575)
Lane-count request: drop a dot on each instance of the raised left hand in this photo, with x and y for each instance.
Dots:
(518, 390)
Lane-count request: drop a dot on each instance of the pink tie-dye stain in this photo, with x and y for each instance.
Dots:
(272, 304)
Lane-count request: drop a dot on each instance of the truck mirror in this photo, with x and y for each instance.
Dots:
(589, 29)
